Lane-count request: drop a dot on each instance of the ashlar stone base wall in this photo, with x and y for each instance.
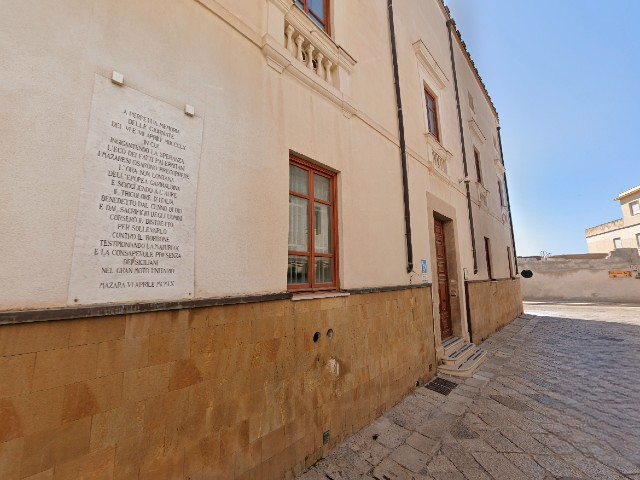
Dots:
(237, 391)
(493, 304)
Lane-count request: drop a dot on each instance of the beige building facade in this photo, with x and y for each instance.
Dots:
(621, 233)
(226, 246)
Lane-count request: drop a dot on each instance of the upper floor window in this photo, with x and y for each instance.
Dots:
(635, 207)
(638, 239)
(312, 227)
(501, 194)
(432, 114)
(617, 243)
(476, 159)
(318, 11)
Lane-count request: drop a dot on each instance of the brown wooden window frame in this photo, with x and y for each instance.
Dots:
(321, 22)
(476, 159)
(487, 252)
(312, 169)
(433, 129)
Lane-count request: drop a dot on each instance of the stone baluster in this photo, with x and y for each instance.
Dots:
(290, 45)
(319, 67)
(310, 49)
(299, 40)
(327, 68)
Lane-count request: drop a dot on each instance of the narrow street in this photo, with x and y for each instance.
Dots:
(558, 397)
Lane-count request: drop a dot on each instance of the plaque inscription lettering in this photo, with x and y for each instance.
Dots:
(136, 220)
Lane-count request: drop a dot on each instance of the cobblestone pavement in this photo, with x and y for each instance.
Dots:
(558, 397)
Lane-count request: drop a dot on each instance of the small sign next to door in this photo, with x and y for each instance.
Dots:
(424, 269)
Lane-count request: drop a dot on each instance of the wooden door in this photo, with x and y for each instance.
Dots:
(443, 281)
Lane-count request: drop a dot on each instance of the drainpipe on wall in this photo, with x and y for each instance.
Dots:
(506, 191)
(403, 148)
(464, 153)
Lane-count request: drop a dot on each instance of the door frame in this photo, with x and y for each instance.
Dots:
(438, 209)
(443, 288)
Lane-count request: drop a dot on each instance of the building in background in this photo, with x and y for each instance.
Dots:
(226, 246)
(621, 233)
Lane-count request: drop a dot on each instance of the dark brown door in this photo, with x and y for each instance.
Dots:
(443, 281)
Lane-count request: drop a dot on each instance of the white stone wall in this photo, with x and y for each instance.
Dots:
(257, 103)
(582, 279)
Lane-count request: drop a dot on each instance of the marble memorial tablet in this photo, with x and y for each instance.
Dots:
(136, 220)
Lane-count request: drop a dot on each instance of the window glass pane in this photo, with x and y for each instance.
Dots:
(298, 224)
(321, 188)
(617, 243)
(298, 270)
(299, 3)
(432, 121)
(638, 239)
(322, 228)
(430, 105)
(317, 7)
(298, 180)
(323, 270)
(635, 208)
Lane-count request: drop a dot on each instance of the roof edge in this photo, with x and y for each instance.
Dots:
(470, 61)
(627, 193)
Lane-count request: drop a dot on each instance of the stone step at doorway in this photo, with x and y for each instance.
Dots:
(461, 358)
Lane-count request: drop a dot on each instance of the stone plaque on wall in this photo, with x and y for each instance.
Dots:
(136, 219)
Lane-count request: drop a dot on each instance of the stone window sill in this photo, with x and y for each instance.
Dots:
(315, 295)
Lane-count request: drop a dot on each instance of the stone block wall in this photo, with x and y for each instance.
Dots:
(235, 391)
(493, 304)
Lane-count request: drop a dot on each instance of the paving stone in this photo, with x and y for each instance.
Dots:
(390, 470)
(423, 444)
(369, 449)
(441, 463)
(393, 436)
(475, 474)
(613, 459)
(458, 456)
(497, 465)
(462, 431)
(343, 468)
(457, 398)
(447, 476)
(592, 468)
(476, 445)
(557, 467)
(499, 442)
(527, 464)
(410, 458)
(476, 382)
(525, 441)
(554, 443)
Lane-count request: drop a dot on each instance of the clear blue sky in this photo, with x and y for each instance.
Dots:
(565, 78)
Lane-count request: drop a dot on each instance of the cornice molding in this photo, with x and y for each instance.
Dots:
(475, 129)
(430, 65)
(283, 5)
